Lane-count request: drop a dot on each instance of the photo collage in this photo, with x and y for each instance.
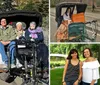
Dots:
(49, 42)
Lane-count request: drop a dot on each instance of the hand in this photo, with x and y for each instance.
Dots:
(93, 81)
(5, 42)
(64, 83)
(76, 82)
(92, 84)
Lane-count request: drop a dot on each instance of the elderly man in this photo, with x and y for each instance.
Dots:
(7, 34)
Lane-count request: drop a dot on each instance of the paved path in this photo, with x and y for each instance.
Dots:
(17, 81)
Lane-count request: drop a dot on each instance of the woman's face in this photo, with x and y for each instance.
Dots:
(68, 10)
(74, 55)
(32, 26)
(19, 27)
(86, 53)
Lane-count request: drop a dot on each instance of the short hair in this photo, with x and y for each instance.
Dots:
(89, 51)
(3, 19)
(18, 23)
(34, 23)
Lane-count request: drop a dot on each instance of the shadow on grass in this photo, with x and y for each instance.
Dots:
(56, 76)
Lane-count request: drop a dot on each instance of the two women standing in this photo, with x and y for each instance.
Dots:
(75, 70)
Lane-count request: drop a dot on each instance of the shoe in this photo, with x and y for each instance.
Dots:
(13, 65)
(18, 64)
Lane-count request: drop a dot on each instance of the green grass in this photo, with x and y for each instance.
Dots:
(56, 77)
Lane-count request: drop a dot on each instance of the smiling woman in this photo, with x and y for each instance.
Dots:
(72, 68)
(90, 68)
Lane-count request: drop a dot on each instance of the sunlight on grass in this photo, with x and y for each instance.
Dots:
(56, 77)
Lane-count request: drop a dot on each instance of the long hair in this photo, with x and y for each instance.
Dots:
(89, 51)
(71, 52)
(67, 11)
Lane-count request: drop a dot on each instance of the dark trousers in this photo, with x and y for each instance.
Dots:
(71, 83)
(84, 83)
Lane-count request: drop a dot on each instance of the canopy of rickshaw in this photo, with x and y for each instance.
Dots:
(80, 7)
(22, 16)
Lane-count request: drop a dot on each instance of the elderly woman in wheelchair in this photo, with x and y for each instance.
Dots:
(35, 33)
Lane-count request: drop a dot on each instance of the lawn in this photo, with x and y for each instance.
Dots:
(56, 77)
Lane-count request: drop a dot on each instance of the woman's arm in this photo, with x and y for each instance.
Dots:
(80, 72)
(93, 81)
(65, 70)
(95, 76)
(95, 72)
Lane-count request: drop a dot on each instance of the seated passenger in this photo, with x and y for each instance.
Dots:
(20, 34)
(19, 30)
(34, 32)
(62, 32)
(7, 34)
(65, 17)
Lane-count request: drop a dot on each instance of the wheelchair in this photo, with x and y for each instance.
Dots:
(31, 70)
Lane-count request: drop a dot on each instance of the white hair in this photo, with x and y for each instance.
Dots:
(34, 23)
(18, 23)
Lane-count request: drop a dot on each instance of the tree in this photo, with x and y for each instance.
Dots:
(42, 7)
(55, 48)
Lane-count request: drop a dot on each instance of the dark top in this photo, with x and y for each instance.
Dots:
(72, 73)
(39, 39)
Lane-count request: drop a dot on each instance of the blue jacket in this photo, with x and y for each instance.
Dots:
(39, 34)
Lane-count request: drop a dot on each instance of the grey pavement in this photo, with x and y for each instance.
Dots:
(18, 81)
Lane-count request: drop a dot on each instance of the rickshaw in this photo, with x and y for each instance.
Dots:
(31, 70)
(77, 31)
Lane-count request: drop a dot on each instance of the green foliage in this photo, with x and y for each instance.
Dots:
(54, 64)
(65, 48)
(46, 22)
(42, 7)
(53, 2)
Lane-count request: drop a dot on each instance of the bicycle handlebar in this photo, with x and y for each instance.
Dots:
(94, 21)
